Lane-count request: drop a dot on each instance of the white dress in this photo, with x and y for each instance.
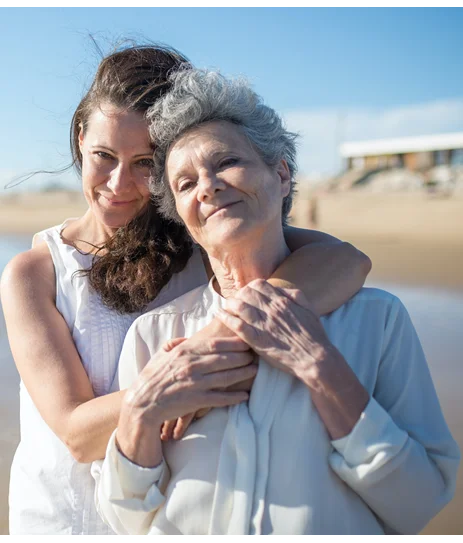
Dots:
(51, 493)
(268, 466)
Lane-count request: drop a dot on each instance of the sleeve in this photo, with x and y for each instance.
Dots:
(126, 495)
(400, 457)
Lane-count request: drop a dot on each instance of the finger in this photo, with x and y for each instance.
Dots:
(224, 379)
(203, 412)
(264, 288)
(242, 329)
(181, 425)
(167, 429)
(172, 343)
(242, 385)
(214, 363)
(244, 310)
(213, 345)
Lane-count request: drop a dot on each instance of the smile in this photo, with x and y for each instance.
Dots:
(227, 206)
(117, 203)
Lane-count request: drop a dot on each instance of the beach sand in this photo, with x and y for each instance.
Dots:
(413, 242)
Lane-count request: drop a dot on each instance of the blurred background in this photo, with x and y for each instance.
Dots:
(376, 95)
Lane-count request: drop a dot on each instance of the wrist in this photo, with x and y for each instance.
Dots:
(138, 441)
(337, 394)
(321, 362)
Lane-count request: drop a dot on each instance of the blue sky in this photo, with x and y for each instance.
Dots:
(335, 74)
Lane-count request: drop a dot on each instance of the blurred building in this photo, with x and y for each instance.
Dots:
(415, 154)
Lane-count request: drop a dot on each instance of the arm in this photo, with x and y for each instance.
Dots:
(48, 361)
(327, 270)
(400, 457)
(392, 445)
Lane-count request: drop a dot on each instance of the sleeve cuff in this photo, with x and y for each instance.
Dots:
(374, 433)
(134, 479)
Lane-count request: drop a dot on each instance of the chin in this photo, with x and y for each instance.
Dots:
(230, 233)
(116, 220)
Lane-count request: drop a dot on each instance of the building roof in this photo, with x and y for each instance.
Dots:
(402, 145)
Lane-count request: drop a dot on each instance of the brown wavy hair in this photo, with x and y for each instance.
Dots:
(131, 268)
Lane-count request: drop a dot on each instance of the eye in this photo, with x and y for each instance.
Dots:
(228, 162)
(146, 163)
(185, 185)
(103, 155)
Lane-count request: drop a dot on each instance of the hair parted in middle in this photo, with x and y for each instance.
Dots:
(200, 96)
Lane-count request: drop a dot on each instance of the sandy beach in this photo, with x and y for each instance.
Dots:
(415, 243)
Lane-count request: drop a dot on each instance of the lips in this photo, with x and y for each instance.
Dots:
(117, 203)
(220, 209)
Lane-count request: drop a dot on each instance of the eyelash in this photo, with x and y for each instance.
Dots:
(146, 162)
(230, 161)
(143, 163)
(184, 187)
(103, 155)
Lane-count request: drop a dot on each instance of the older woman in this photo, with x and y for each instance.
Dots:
(342, 431)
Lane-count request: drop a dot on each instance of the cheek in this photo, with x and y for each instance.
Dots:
(186, 210)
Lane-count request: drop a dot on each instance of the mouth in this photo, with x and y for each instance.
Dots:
(117, 203)
(226, 206)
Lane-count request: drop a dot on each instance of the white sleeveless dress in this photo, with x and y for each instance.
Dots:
(51, 493)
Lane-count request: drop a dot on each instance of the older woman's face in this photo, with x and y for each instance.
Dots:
(223, 189)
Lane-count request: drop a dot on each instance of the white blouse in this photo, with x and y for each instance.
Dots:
(267, 466)
(50, 492)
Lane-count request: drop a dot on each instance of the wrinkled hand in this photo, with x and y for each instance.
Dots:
(176, 428)
(188, 375)
(278, 324)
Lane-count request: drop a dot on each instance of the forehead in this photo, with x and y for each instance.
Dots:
(109, 121)
(207, 140)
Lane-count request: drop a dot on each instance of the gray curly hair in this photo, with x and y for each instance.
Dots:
(201, 96)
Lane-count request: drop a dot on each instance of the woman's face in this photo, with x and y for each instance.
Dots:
(223, 189)
(116, 164)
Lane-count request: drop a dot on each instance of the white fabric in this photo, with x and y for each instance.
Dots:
(268, 466)
(51, 493)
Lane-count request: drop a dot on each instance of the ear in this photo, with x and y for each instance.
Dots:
(81, 137)
(283, 172)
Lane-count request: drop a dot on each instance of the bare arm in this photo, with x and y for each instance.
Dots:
(48, 361)
(328, 270)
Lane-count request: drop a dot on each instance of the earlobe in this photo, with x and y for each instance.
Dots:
(285, 177)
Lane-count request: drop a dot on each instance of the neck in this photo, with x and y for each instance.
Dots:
(235, 267)
(87, 234)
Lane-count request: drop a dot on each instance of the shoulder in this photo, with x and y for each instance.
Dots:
(371, 309)
(34, 265)
(171, 319)
(28, 282)
(372, 299)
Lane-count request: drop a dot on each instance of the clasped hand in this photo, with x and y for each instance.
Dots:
(277, 324)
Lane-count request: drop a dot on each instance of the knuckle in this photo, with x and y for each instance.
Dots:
(183, 374)
(282, 303)
(212, 344)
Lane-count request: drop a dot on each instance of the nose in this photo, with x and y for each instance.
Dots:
(120, 179)
(208, 185)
